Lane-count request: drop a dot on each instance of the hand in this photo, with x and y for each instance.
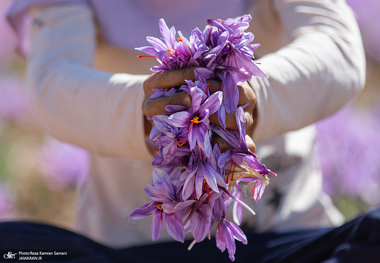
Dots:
(177, 77)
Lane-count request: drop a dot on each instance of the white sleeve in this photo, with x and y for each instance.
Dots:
(315, 75)
(73, 102)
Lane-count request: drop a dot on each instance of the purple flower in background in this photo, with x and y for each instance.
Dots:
(7, 205)
(14, 104)
(65, 164)
(8, 39)
(368, 18)
(355, 152)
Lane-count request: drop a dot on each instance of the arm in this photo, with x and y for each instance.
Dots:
(317, 73)
(72, 101)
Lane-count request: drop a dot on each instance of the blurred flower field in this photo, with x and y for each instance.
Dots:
(39, 175)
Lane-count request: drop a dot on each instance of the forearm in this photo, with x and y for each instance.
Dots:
(75, 103)
(316, 74)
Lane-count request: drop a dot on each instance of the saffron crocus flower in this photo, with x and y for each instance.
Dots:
(196, 119)
(225, 236)
(165, 135)
(200, 217)
(164, 195)
(198, 176)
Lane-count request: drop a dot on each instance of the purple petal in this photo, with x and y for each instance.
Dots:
(192, 139)
(174, 225)
(237, 210)
(148, 50)
(168, 35)
(156, 43)
(210, 176)
(157, 223)
(180, 119)
(240, 121)
(199, 182)
(200, 223)
(237, 232)
(230, 93)
(229, 137)
(144, 210)
(184, 205)
(220, 237)
(212, 103)
(202, 74)
(224, 158)
(188, 187)
(207, 144)
(221, 114)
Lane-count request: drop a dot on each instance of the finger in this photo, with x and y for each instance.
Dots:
(214, 85)
(152, 107)
(224, 146)
(250, 143)
(168, 78)
(247, 95)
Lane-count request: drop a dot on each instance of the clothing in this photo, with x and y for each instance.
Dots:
(311, 50)
(355, 242)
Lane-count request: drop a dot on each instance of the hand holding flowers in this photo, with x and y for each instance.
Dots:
(197, 98)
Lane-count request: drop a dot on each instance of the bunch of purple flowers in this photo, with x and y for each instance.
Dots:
(193, 182)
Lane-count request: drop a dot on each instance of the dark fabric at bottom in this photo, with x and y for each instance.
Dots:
(355, 241)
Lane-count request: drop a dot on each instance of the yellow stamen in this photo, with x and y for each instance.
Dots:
(195, 119)
(170, 53)
(180, 144)
(159, 206)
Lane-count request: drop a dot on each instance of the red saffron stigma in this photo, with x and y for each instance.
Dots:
(160, 208)
(207, 188)
(253, 189)
(187, 58)
(182, 141)
(258, 63)
(145, 56)
(195, 119)
(179, 39)
(233, 171)
(208, 85)
(228, 174)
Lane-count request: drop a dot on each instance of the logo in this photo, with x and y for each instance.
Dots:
(10, 255)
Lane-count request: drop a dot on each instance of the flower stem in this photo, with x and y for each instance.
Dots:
(239, 201)
(191, 245)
